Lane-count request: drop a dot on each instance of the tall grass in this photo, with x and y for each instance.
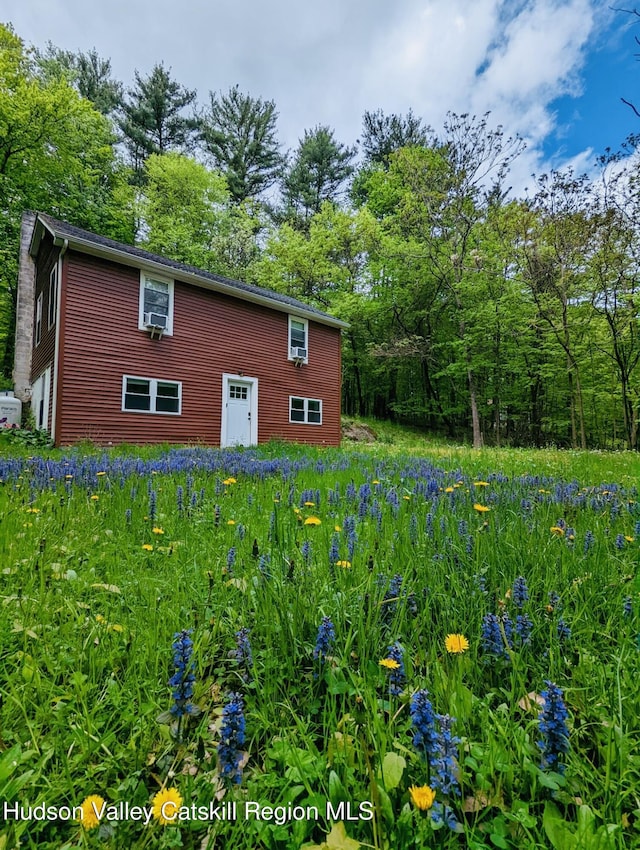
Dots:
(106, 556)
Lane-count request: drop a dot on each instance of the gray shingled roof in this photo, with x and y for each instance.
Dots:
(79, 237)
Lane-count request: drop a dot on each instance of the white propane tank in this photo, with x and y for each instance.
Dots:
(10, 410)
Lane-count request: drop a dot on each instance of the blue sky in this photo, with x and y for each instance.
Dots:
(597, 118)
(552, 71)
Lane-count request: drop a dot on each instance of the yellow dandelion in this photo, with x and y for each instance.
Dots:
(375, 481)
(456, 644)
(629, 539)
(166, 804)
(157, 530)
(231, 522)
(94, 498)
(101, 473)
(407, 498)
(91, 810)
(309, 504)
(100, 619)
(337, 528)
(345, 564)
(147, 547)
(228, 481)
(448, 489)
(422, 797)
(482, 509)
(33, 510)
(389, 663)
(115, 627)
(312, 520)
(480, 483)
(555, 529)
(68, 475)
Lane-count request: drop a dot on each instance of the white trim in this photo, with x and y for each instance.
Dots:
(153, 395)
(53, 290)
(306, 401)
(144, 276)
(40, 396)
(228, 378)
(301, 320)
(56, 349)
(37, 332)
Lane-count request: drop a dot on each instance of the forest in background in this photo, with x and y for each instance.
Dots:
(472, 314)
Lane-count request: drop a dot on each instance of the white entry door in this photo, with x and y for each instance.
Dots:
(239, 411)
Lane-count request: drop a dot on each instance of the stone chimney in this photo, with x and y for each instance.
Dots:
(24, 311)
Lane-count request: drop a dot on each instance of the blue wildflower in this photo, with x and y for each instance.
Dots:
(520, 591)
(627, 606)
(183, 679)
(589, 540)
(152, 504)
(425, 738)
(563, 631)
(180, 498)
(231, 558)
(524, 627)
(305, 551)
(232, 738)
(554, 742)
(324, 640)
(492, 642)
(619, 541)
(334, 551)
(243, 654)
(397, 675)
(444, 760)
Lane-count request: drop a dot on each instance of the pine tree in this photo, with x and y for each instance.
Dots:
(383, 134)
(152, 117)
(239, 134)
(318, 173)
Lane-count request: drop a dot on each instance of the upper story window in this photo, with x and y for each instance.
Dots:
(156, 303)
(38, 328)
(298, 339)
(53, 296)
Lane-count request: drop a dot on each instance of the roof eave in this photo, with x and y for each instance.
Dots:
(145, 264)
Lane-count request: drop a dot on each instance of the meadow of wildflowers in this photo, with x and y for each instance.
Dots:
(365, 650)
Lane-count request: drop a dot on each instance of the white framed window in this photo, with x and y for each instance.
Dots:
(151, 395)
(53, 296)
(298, 339)
(156, 303)
(38, 329)
(307, 411)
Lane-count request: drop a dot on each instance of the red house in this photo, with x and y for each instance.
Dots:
(115, 344)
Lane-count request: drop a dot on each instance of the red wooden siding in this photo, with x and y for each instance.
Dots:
(212, 334)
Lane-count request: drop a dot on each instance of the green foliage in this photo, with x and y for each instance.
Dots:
(318, 172)
(152, 118)
(239, 134)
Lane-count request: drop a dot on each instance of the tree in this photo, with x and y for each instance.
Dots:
(320, 167)
(88, 73)
(56, 156)
(186, 214)
(152, 119)
(239, 134)
(383, 134)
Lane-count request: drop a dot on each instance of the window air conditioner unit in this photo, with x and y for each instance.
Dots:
(299, 353)
(155, 320)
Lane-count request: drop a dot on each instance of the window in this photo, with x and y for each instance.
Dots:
(298, 333)
(306, 410)
(38, 333)
(53, 295)
(148, 395)
(156, 304)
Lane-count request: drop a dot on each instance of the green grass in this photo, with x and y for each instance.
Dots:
(102, 567)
